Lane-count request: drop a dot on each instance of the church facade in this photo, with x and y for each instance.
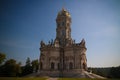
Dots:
(62, 56)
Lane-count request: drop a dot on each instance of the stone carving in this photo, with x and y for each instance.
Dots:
(42, 44)
(82, 43)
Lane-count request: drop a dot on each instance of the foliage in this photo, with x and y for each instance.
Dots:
(28, 62)
(110, 72)
(10, 68)
(35, 65)
(2, 57)
(27, 69)
(115, 72)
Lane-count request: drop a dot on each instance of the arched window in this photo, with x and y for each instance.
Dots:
(63, 23)
(58, 66)
(52, 65)
(41, 66)
(62, 33)
(70, 65)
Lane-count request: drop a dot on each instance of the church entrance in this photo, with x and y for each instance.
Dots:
(70, 65)
(52, 65)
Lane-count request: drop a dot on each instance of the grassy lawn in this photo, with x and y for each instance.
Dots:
(15, 78)
(38, 78)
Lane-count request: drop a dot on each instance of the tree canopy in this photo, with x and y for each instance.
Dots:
(11, 68)
(2, 57)
(28, 62)
(35, 65)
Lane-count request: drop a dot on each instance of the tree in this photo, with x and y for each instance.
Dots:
(35, 65)
(115, 72)
(28, 62)
(27, 69)
(2, 58)
(11, 68)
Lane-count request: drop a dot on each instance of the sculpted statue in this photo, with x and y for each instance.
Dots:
(42, 44)
(82, 43)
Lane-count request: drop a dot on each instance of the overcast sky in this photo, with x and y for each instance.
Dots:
(24, 23)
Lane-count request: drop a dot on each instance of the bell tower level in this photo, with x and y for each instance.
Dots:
(63, 30)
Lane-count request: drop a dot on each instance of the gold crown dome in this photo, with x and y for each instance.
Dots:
(63, 12)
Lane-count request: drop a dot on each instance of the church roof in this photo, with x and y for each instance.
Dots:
(64, 12)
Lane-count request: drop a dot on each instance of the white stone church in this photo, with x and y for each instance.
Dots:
(62, 56)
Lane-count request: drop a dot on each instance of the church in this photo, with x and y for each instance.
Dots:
(62, 56)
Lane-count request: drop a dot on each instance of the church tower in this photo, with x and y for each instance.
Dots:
(63, 30)
(62, 56)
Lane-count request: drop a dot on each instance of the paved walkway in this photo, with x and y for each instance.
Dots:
(92, 75)
(52, 79)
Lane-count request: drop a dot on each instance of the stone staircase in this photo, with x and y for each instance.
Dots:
(67, 74)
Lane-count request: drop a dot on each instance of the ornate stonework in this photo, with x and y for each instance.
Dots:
(63, 55)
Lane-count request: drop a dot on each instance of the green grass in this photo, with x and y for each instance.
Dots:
(40, 78)
(17, 78)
